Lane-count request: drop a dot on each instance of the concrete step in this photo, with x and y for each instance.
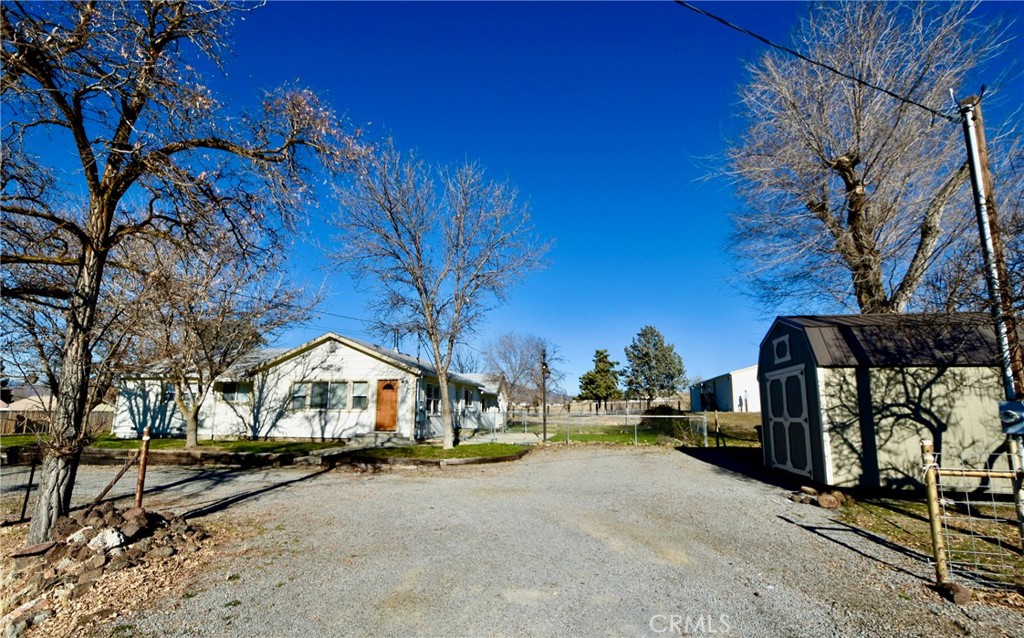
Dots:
(378, 439)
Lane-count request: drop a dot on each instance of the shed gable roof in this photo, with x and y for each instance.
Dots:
(880, 341)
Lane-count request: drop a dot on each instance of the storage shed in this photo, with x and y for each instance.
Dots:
(846, 400)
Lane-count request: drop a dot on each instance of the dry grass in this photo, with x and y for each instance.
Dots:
(993, 546)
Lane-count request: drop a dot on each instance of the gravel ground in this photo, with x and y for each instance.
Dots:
(584, 541)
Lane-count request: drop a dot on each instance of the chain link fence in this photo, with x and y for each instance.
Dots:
(612, 426)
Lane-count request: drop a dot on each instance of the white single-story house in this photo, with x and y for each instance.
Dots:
(494, 397)
(333, 387)
(846, 400)
(735, 391)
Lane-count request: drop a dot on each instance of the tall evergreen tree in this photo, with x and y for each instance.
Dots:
(654, 368)
(602, 383)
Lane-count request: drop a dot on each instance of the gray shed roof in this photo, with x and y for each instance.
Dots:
(839, 341)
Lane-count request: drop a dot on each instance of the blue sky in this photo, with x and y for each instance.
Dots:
(608, 116)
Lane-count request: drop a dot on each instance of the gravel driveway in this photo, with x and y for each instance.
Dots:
(584, 541)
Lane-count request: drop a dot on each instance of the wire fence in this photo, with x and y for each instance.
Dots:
(611, 426)
(976, 533)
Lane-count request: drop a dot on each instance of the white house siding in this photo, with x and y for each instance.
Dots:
(266, 409)
(467, 415)
(142, 402)
(268, 412)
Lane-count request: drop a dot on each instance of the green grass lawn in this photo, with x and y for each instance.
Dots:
(435, 452)
(737, 430)
(108, 442)
(18, 440)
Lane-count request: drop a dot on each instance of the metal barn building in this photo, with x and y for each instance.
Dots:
(734, 391)
(846, 400)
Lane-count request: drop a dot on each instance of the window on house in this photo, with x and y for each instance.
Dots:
(360, 395)
(318, 393)
(337, 398)
(235, 392)
(433, 398)
(299, 393)
(167, 395)
(328, 395)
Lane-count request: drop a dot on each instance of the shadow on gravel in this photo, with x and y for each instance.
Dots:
(211, 478)
(226, 502)
(846, 535)
(744, 463)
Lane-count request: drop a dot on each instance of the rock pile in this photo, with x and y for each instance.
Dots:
(85, 546)
(829, 500)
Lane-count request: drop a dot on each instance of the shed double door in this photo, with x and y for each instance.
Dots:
(790, 429)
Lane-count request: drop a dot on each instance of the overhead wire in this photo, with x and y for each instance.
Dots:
(823, 65)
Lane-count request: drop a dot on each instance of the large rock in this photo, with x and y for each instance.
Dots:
(80, 537)
(828, 501)
(107, 540)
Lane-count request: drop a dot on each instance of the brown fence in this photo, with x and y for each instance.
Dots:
(38, 421)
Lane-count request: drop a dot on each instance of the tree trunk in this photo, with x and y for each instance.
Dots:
(447, 419)
(67, 434)
(191, 430)
(56, 484)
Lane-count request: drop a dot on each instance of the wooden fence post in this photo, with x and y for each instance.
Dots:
(140, 486)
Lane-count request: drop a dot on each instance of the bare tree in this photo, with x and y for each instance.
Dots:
(854, 198)
(115, 84)
(208, 311)
(514, 359)
(438, 247)
(465, 360)
(34, 329)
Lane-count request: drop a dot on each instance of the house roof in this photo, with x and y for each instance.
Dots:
(965, 339)
(398, 359)
(265, 358)
(486, 382)
(42, 403)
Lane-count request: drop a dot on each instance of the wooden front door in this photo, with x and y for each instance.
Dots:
(387, 405)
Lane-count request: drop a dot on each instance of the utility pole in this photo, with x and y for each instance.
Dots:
(544, 372)
(996, 275)
(1010, 360)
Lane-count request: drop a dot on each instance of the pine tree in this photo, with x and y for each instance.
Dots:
(655, 369)
(602, 383)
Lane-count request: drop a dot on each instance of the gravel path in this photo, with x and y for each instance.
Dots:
(585, 541)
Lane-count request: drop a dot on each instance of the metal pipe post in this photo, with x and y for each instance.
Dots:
(931, 471)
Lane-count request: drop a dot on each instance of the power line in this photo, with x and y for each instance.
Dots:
(823, 65)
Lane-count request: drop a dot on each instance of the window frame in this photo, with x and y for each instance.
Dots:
(327, 395)
(356, 398)
(242, 392)
(432, 398)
